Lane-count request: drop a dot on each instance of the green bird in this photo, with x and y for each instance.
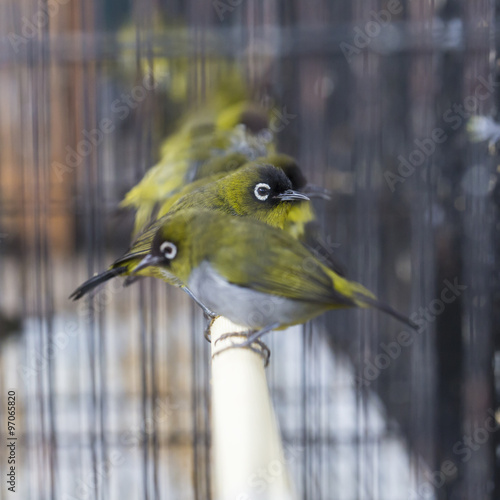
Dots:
(300, 219)
(258, 190)
(256, 275)
(221, 167)
(239, 133)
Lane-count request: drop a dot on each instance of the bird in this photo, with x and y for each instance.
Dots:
(256, 275)
(300, 221)
(260, 191)
(239, 131)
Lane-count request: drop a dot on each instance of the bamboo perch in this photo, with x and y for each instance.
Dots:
(247, 450)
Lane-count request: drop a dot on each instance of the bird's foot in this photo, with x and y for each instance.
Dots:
(206, 311)
(209, 318)
(254, 344)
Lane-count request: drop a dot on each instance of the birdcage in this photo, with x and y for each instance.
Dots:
(110, 397)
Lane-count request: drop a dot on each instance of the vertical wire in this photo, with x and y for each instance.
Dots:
(366, 123)
(207, 422)
(327, 385)
(311, 130)
(82, 207)
(305, 441)
(478, 222)
(194, 405)
(46, 291)
(197, 86)
(100, 214)
(305, 435)
(147, 298)
(6, 209)
(359, 406)
(204, 75)
(36, 256)
(422, 381)
(23, 72)
(308, 469)
(194, 96)
(144, 287)
(148, 140)
(90, 216)
(307, 473)
(153, 296)
(154, 389)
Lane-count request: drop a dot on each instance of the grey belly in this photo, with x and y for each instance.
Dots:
(244, 306)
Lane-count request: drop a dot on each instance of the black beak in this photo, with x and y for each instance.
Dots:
(149, 260)
(291, 195)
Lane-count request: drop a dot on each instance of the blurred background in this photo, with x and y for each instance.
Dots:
(373, 98)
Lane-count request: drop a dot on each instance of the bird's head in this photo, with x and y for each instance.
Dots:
(261, 191)
(291, 169)
(169, 251)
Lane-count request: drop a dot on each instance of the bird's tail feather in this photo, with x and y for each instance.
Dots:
(91, 283)
(364, 300)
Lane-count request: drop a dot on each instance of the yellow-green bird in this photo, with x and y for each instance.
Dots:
(251, 170)
(258, 190)
(239, 132)
(300, 220)
(256, 275)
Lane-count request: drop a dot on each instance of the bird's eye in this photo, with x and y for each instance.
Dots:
(262, 191)
(168, 249)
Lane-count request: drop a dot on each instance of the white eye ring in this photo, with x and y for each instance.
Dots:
(168, 249)
(261, 197)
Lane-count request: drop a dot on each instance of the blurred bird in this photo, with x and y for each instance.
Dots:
(300, 220)
(256, 275)
(239, 132)
(221, 167)
(223, 78)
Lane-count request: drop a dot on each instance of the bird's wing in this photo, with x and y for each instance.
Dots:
(142, 244)
(276, 264)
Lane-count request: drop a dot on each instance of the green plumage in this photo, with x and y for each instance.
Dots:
(210, 141)
(231, 194)
(247, 254)
(251, 254)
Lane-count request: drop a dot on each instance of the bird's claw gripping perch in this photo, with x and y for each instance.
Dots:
(254, 344)
(210, 318)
